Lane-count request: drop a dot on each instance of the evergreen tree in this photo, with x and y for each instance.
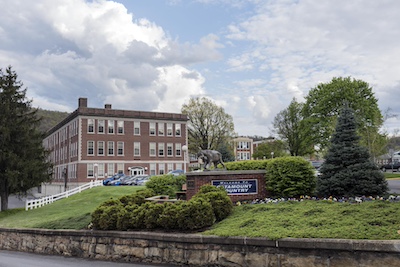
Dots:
(23, 159)
(348, 170)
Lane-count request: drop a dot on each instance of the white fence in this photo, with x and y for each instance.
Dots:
(37, 203)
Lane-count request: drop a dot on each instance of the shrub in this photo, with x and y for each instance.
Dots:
(220, 202)
(152, 212)
(98, 214)
(166, 184)
(109, 217)
(247, 165)
(137, 198)
(169, 217)
(290, 177)
(126, 217)
(195, 214)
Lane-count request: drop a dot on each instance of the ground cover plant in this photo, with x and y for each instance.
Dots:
(376, 220)
(69, 213)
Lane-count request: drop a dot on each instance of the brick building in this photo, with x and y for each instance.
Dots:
(96, 143)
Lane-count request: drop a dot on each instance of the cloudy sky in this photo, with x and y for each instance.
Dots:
(250, 56)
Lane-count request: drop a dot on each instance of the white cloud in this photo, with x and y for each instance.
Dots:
(96, 49)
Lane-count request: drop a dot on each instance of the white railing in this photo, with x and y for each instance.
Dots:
(37, 203)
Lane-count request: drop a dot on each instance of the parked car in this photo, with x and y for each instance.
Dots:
(177, 172)
(142, 180)
(133, 179)
(120, 181)
(395, 166)
(112, 178)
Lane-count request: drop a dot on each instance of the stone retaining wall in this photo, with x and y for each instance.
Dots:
(197, 250)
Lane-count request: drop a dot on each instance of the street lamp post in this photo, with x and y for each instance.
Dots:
(65, 172)
(184, 149)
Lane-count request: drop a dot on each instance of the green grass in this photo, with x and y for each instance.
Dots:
(394, 175)
(377, 220)
(311, 219)
(71, 213)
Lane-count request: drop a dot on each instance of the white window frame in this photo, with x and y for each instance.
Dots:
(100, 145)
(161, 129)
(170, 150)
(170, 131)
(152, 128)
(136, 148)
(110, 127)
(90, 126)
(101, 126)
(161, 150)
(120, 148)
(90, 147)
(108, 148)
(178, 129)
(120, 127)
(136, 128)
(152, 149)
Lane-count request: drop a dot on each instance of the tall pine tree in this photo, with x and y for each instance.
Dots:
(348, 170)
(23, 160)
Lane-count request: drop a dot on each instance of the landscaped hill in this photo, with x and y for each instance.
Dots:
(306, 219)
(73, 212)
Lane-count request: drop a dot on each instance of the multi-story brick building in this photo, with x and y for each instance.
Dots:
(95, 143)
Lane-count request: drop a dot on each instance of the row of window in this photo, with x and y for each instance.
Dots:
(160, 149)
(160, 128)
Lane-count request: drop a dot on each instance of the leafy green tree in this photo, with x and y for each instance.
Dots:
(324, 102)
(226, 151)
(272, 149)
(348, 170)
(208, 124)
(291, 128)
(23, 159)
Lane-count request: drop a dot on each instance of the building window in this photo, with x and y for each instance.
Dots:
(136, 128)
(120, 168)
(161, 149)
(152, 128)
(100, 148)
(170, 167)
(110, 169)
(178, 129)
(161, 129)
(100, 170)
(101, 124)
(110, 126)
(90, 170)
(136, 148)
(152, 169)
(120, 128)
(90, 126)
(170, 152)
(110, 147)
(178, 150)
(161, 168)
(179, 166)
(90, 147)
(152, 149)
(169, 129)
(120, 148)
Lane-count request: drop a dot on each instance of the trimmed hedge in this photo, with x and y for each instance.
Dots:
(247, 165)
(290, 177)
(167, 184)
(133, 212)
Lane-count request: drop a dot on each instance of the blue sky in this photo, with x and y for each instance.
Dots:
(249, 56)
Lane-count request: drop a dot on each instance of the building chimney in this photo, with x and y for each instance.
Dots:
(82, 102)
(107, 106)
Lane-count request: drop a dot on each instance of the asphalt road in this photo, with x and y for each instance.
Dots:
(18, 259)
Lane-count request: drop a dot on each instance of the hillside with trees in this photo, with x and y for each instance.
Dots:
(49, 119)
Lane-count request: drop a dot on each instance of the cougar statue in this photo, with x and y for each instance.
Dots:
(210, 156)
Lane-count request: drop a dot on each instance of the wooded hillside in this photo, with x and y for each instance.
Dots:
(50, 118)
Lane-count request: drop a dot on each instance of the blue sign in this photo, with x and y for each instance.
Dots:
(237, 187)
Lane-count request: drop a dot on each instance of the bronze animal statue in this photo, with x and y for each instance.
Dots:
(210, 156)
